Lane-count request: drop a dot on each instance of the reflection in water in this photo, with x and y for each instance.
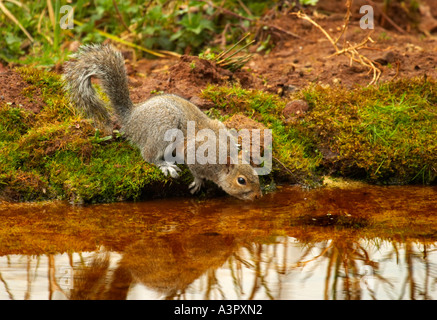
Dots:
(193, 269)
(293, 245)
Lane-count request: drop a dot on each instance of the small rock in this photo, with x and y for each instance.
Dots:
(388, 57)
(306, 24)
(288, 88)
(336, 81)
(413, 48)
(239, 122)
(202, 103)
(295, 107)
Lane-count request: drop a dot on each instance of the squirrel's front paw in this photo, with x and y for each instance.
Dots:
(195, 185)
(169, 168)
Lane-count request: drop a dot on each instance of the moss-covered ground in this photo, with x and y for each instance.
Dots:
(384, 134)
(55, 154)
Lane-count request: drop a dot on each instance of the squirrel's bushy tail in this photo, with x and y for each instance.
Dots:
(107, 64)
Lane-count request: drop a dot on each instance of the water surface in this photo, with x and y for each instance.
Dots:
(331, 243)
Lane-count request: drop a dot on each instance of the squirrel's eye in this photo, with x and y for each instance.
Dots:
(241, 181)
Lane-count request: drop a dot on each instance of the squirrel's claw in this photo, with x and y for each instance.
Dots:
(169, 168)
(195, 185)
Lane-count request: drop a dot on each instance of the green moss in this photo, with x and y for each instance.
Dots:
(115, 171)
(385, 134)
(14, 122)
(57, 107)
(57, 155)
(382, 134)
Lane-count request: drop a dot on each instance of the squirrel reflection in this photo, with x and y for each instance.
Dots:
(166, 264)
(169, 263)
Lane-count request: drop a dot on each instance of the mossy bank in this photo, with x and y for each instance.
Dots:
(385, 134)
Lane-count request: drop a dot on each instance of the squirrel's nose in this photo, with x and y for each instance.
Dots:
(258, 195)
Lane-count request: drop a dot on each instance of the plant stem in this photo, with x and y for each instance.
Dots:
(57, 27)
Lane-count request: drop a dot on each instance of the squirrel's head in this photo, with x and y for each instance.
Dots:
(240, 181)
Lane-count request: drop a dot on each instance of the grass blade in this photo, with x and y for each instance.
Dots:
(11, 16)
(130, 44)
(56, 27)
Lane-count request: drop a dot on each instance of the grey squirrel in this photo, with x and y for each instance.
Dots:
(146, 123)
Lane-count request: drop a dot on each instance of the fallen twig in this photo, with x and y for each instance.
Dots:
(285, 167)
(348, 49)
(120, 17)
(398, 65)
(281, 30)
(346, 20)
(386, 17)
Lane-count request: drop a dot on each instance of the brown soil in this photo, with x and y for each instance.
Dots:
(13, 91)
(186, 77)
(292, 63)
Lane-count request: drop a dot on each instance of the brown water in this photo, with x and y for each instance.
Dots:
(359, 243)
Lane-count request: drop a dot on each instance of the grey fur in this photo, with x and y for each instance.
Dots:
(146, 123)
